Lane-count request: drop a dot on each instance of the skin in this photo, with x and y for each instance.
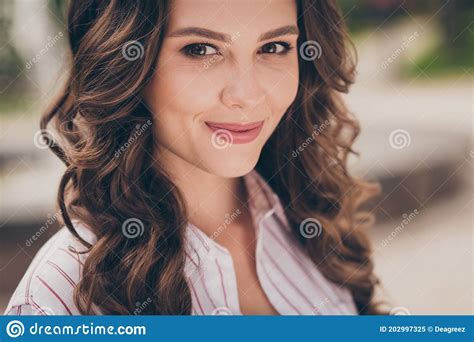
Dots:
(242, 81)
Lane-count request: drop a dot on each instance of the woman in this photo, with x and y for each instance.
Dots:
(206, 146)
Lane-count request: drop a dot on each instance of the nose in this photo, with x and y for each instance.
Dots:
(242, 90)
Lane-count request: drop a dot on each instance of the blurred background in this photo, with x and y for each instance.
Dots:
(414, 100)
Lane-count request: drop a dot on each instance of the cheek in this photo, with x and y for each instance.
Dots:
(177, 95)
(281, 90)
(181, 91)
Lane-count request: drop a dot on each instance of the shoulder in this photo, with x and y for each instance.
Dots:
(48, 284)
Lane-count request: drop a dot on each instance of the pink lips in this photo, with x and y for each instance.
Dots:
(241, 133)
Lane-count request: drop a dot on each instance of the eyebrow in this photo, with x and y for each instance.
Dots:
(206, 33)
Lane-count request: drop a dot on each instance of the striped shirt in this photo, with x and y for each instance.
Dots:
(291, 281)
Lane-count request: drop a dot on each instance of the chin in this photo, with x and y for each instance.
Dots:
(232, 167)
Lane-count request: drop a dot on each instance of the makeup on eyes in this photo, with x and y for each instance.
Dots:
(287, 46)
(185, 50)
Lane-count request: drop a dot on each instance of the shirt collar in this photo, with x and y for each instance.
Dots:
(263, 203)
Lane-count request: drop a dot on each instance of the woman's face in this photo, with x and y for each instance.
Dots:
(223, 62)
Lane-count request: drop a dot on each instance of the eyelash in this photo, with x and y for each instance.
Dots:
(186, 50)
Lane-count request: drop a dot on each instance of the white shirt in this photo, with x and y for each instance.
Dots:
(290, 280)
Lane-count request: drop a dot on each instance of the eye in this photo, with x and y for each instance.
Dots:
(200, 50)
(278, 48)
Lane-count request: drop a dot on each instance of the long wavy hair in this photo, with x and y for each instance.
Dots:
(98, 111)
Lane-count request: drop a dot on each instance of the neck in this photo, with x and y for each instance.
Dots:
(209, 199)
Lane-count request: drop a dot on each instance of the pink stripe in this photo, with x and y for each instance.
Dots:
(197, 298)
(303, 268)
(263, 189)
(281, 216)
(207, 292)
(28, 284)
(328, 292)
(276, 238)
(288, 279)
(192, 260)
(38, 308)
(222, 283)
(278, 290)
(27, 290)
(199, 237)
(251, 185)
(75, 257)
(62, 272)
(55, 294)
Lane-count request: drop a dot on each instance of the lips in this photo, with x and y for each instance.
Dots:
(235, 133)
(234, 127)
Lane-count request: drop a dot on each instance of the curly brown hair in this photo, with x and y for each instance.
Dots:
(96, 114)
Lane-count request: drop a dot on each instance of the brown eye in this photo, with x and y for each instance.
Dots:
(275, 48)
(198, 50)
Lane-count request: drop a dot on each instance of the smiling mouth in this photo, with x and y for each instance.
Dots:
(238, 133)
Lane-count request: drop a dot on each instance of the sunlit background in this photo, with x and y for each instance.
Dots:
(414, 99)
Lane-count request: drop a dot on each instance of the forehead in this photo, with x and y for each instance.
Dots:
(247, 17)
